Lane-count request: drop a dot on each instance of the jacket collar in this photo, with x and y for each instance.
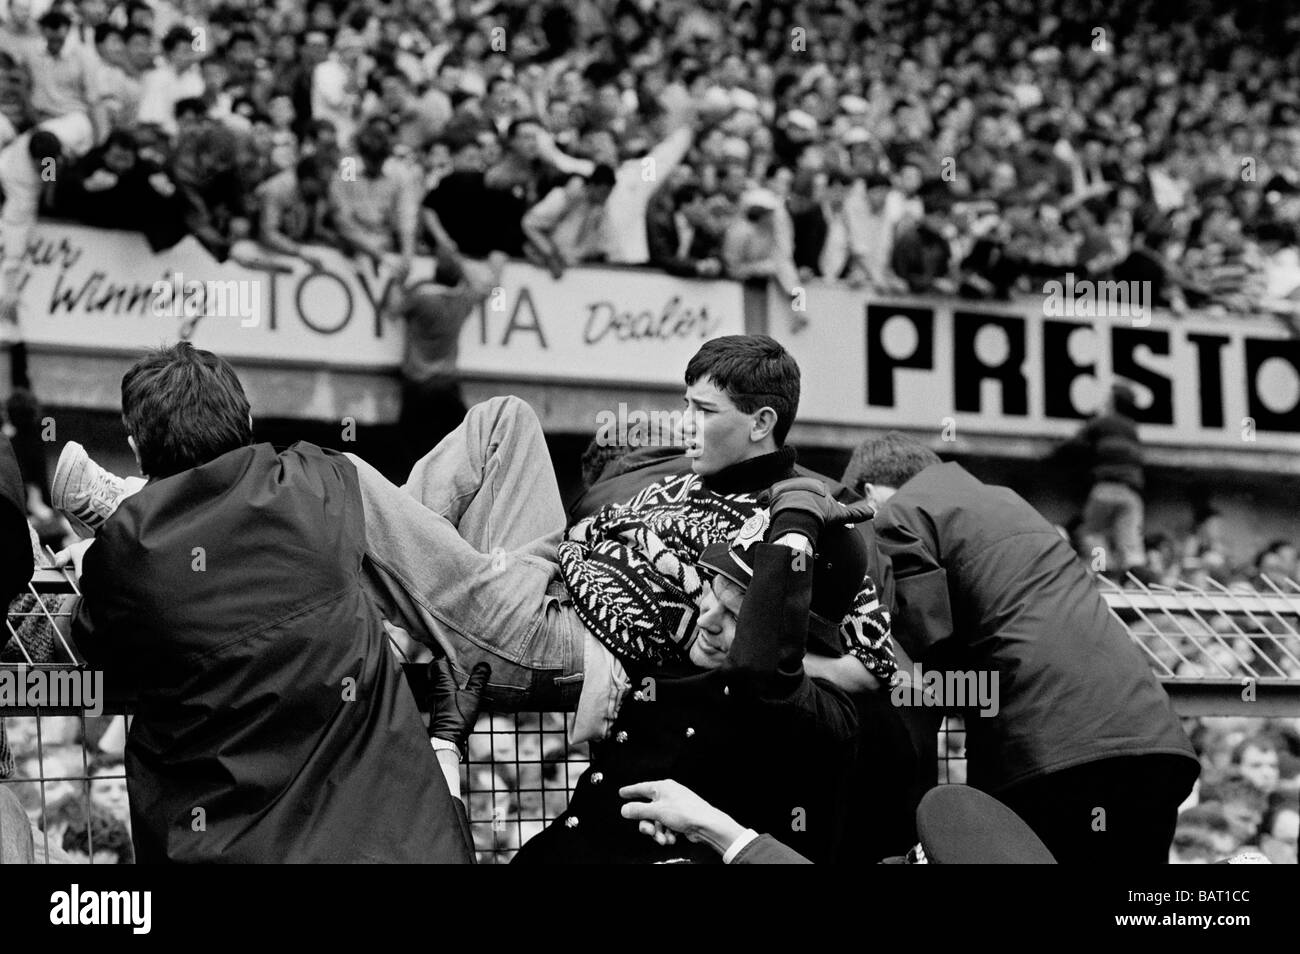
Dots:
(755, 474)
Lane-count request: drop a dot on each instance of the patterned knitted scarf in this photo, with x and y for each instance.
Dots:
(631, 572)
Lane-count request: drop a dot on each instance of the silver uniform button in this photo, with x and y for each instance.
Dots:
(726, 690)
(690, 733)
(621, 737)
(597, 778)
(571, 821)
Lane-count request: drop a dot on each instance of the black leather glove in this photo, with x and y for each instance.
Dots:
(803, 505)
(453, 710)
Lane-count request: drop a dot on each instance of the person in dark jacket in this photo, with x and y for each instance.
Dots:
(681, 234)
(1084, 745)
(1112, 455)
(272, 722)
(780, 588)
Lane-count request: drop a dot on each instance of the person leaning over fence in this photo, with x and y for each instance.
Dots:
(1083, 744)
(272, 721)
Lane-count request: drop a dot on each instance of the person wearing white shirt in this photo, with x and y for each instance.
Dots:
(873, 211)
(28, 170)
(176, 77)
(336, 85)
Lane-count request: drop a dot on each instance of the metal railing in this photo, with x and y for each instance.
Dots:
(1218, 651)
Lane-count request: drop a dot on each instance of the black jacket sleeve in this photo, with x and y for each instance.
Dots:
(766, 657)
(766, 850)
(922, 607)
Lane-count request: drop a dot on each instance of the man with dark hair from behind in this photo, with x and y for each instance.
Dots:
(226, 595)
(1084, 745)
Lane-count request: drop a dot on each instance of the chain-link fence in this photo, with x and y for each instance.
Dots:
(1219, 651)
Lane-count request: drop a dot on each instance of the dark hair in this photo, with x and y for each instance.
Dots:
(602, 175)
(190, 104)
(101, 831)
(184, 407)
(310, 168)
(105, 30)
(175, 37)
(687, 193)
(755, 371)
(132, 32)
(122, 138)
(54, 19)
(890, 461)
(44, 145)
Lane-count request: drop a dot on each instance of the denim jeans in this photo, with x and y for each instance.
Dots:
(464, 557)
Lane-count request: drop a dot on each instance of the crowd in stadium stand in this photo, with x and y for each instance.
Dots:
(945, 147)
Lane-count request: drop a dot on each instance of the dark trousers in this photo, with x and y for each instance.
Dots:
(1112, 811)
(429, 413)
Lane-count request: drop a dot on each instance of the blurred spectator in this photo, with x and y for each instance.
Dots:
(118, 84)
(28, 174)
(922, 255)
(19, 35)
(453, 210)
(1242, 804)
(108, 792)
(208, 174)
(874, 212)
(336, 85)
(518, 181)
(1275, 566)
(751, 246)
(374, 210)
(415, 120)
(1256, 759)
(1279, 828)
(293, 208)
(99, 839)
(682, 233)
(64, 79)
(432, 406)
(569, 225)
(1203, 836)
(1111, 451)
(175, 78)
(111, 187)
